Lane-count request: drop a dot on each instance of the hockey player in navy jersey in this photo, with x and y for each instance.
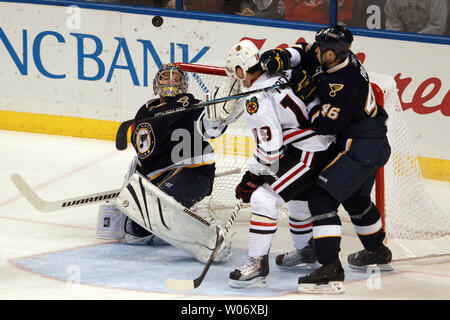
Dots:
(288, 158)
(349, 110)
(167, 148)
(172, 155)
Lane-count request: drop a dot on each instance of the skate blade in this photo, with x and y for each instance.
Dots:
(300, 266)
(381, 267)
(253, 283)
(333, 287)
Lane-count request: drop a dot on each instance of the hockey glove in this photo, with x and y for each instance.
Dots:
(309, 61)
(275, 60)
(304, 86)
(249, 183)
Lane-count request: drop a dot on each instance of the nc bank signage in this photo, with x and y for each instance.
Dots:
(100, 68)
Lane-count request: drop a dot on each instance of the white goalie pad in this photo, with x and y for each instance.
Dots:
(110, 222)
(228, 111)
(131, 170)
(169, 220)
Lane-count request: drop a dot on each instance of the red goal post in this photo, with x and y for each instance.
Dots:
(415, 226)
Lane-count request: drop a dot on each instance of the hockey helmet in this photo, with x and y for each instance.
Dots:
(336, 38)
(169, 81)
(245, 55)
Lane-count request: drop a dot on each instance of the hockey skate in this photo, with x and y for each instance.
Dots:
(364, 259)
(135, 234)
(295, 257)
(251, 274)
(328, 278)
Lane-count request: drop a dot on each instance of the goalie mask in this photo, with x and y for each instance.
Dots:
(336, 38)
(244, 55)
(169, 81)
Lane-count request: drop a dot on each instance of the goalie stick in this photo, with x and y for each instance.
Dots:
(49, 206)
(121, 136)
(180, 285)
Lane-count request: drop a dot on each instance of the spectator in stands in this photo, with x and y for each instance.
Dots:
(317, 11)
(199, 5)
(142, 3)
(448, 22)
(419, 16)
(170, 4)
(263, 8)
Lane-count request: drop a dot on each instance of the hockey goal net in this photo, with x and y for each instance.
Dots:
(415, 226)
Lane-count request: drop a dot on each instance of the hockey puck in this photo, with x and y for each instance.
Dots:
(157, 21)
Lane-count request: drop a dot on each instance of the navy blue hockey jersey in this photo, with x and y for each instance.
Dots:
(170, 142)
(348, 107)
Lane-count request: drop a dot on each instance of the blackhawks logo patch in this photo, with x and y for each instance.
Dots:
(251, 105)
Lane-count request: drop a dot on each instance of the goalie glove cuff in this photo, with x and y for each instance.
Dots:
(228, 111)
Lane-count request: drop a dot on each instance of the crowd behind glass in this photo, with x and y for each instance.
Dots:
(416, 16)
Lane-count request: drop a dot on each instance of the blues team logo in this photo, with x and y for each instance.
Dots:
(251, 105)
(335, 87)
(144, 138)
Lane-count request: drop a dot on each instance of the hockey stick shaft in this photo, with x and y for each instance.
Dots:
(121, 136)
(49, 206)
(179, 285)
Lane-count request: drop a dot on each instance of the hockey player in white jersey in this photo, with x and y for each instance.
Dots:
(288, 159)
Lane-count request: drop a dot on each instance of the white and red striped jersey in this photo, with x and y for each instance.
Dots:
(278, 118)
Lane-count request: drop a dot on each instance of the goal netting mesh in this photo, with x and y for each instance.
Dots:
(415, 225)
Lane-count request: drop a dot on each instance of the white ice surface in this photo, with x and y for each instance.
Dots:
(62, 167)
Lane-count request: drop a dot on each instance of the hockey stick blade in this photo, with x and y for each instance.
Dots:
(122, 131)
(182, 285)
(49, 206)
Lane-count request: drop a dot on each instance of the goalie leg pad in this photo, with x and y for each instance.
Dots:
(169, 220)
(131, 170)
(112, 224)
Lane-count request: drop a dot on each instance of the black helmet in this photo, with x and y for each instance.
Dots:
(336, 38)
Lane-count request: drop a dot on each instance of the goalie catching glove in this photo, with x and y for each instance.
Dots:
(249, 183)
(228, 111)
(275, 60)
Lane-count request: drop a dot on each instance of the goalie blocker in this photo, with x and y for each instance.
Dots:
(170, 221)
